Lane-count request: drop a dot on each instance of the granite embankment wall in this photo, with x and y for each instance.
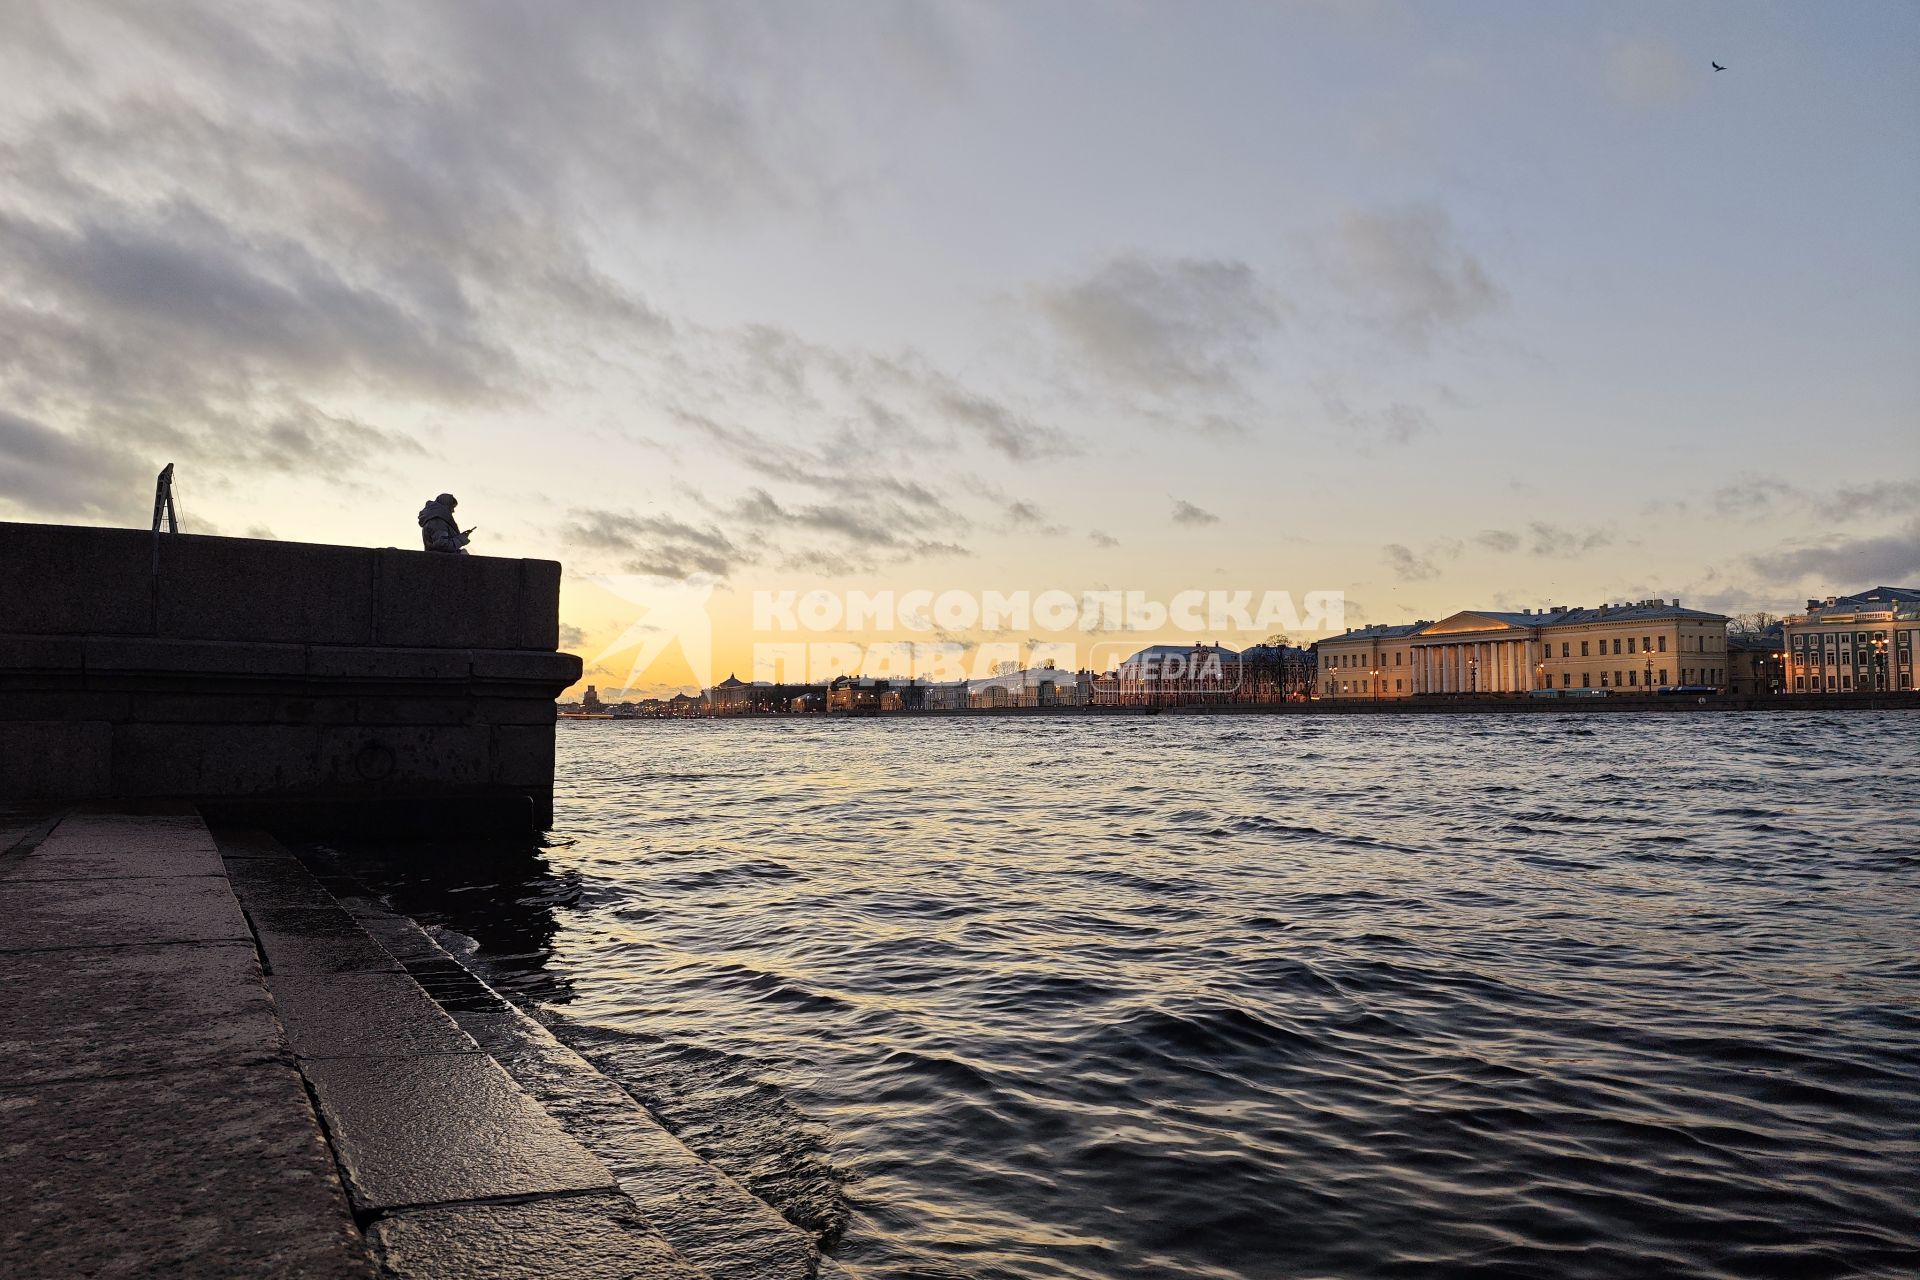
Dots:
(277, 680)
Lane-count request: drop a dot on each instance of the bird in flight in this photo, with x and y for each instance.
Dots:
(1718, 67)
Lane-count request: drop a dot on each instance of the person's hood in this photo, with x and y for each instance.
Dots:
(440, 508)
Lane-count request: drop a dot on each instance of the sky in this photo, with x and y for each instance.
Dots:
(1439, 305)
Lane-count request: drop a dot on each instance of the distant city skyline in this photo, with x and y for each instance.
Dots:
(1442, 306)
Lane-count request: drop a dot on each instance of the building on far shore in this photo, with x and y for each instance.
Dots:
(1847, 644)
(1756, 661)
(736, 697)
(1031, 687)
(1636, 647)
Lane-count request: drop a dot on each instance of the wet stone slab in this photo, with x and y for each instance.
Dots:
(272, 882)
(570, 1238)
(709, 1218)
(240, 842)
(75, 1014)
(423, 1130)
(362, 1014)
(216, 1171)
(40, 914)
(77, 857)
(318, 940)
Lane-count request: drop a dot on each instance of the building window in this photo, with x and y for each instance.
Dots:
(1629, 644)
(1583, 650)
(1566, 679)
(1616, 646)
(1396, 686)
(1663, 644)
(1633, 678)
(1566, 648)
(1603, 679)
(1846, 681)
(1799, 684)
(1586, 680)
(1663, 675)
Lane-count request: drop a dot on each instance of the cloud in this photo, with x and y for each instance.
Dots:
(1028, 516)
(1554, 540)
(1399, 423)
(1407, 566)
(1876, 498)
(1164, 325)
(1754, 497)
(1101, 539)
(571, 637)
(1185, 512)
(1498, 540)
(1407, 273)
(234, 233)
(50, 473)
(658, 545)
(1845, 564)
(1644, 73)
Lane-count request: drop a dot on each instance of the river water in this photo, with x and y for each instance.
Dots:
(1601, 994)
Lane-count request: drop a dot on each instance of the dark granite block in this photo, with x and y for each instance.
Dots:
(100, 856)
(574, 1238)
(40, 914)
(76, 1014)
(450, 755)
(244, 588)
(389, 663)
(539, 604)
(318, 940)
(56, 758)
(423, 1130)
(214, 657)
(269, 882)
(360, 1014)
(523, 755)
(211, 1171)
(216, 760)
(40, 562)
(454, 602)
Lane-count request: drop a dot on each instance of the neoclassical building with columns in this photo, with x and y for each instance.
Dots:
(1633, 647)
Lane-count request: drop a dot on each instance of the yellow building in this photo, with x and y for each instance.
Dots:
(1846, 644)
(1634, 647)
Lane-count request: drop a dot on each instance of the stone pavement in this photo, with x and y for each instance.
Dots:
(151, 1118)
(213, 1063)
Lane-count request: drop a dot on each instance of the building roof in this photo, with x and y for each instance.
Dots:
(1380, 631)
(1160, 651)
(1898, 600)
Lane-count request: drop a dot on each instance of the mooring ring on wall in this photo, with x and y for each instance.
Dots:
(374, 761)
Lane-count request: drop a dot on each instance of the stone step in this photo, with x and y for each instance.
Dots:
(707, 1216)
(452, 1167)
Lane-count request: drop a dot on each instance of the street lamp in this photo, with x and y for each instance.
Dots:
(1473, 675)
(1880, 663)
(1374, 675)
(1649, 673)
(1539, 675)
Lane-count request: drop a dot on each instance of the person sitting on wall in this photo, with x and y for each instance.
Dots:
(438, 532)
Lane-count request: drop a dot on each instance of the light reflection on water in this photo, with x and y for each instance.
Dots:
(1251, 997)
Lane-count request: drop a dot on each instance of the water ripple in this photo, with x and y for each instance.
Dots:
(1176, 997)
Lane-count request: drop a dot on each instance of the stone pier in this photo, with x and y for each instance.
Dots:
(278, 682)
